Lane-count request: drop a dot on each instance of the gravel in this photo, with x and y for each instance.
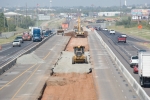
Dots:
(29, 59)
(65, 64)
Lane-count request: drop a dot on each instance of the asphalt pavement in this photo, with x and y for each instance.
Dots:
(125, 50)
(25, 81)
(110, 82)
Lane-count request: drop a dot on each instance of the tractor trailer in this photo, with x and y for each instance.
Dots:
(144, 68)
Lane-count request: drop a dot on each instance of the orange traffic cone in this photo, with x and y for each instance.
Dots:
(0, 47)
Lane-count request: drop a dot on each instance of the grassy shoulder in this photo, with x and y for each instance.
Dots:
(134, 31)
(8, 40)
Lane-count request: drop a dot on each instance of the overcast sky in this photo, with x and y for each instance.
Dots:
(69, 3)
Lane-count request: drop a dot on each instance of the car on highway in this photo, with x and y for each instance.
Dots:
(124, 35)
(121, 38)
(19, 38)
(135, 69)
(105, 29)
(133, 61)
(16, 43)
(112, 32)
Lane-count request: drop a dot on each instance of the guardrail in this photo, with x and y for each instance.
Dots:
(12, 62)
(138, 89)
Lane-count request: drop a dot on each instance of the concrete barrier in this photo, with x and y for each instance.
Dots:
(12, 62)
(138, 89)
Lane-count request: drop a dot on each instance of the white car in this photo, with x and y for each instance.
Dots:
(133, 61)
(16, 43)
(112, 32)
(124, 35)
(105, 29)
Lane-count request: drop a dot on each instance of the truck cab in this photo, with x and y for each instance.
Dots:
(37, 36)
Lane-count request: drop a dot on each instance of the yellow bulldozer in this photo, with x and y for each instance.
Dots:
(79, 56)
(79, 30)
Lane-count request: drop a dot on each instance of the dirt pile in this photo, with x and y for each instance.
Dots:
(29, 59)
(77, 42)
(72, 34)
(70, 87)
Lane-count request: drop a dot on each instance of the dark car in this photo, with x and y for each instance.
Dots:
(19, 38)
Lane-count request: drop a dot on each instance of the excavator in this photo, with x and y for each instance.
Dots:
(79, 30)
(79, 56)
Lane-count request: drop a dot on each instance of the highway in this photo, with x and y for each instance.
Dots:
(25, 81)
(125, 50)
(110, 82)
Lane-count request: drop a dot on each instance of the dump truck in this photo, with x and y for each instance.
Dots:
(79, 56)
(60, 32)
(65, 26)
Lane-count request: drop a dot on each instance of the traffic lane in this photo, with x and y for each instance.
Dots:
(130, 47)
(24, 79)
(111, 85)
(32, 84)
(123, 57)
(14, 51)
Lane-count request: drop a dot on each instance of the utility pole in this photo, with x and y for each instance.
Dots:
(4, 17)
(26, 15)
(120, 8)
(37, 16)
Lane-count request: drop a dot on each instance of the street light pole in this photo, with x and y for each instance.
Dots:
(4, 17)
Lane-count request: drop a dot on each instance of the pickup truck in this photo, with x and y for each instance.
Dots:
(122, 38)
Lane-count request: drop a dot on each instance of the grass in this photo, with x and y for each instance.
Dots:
(8, 40)
(55, 24)
(134, 31)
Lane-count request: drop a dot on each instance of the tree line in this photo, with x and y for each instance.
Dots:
(10, 24)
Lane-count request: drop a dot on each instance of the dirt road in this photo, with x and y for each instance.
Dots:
(70, 87)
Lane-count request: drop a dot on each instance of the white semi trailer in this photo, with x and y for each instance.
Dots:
(144, 68)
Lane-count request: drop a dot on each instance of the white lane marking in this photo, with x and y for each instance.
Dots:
(126, 51)
(5, 49)
(136, 47)
(125, 97)
(119, 85)
(122, 90)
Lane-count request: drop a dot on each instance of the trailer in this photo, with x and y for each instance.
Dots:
(144, 68)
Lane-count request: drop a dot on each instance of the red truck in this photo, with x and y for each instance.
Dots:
(26, 36)
(64, 26)
(122, 38)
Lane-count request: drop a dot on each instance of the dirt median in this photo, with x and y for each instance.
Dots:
(77, 42)
(71, 86)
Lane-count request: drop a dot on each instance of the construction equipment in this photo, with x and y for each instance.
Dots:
(79, 56)
(79, 30)
(60, 32)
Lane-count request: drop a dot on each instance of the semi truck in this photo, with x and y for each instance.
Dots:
(144, 68)
(37, 35)
(65, 26)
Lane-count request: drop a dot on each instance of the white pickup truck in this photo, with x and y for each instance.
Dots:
(133, 60)
(112, 32)
(144, 68)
